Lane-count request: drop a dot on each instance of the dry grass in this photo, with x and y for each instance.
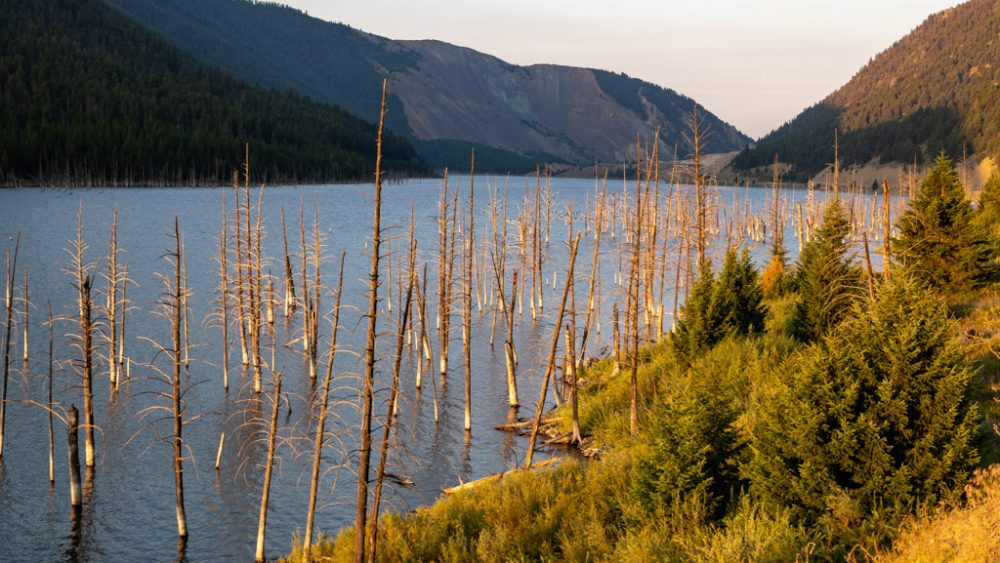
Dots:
(968, 534)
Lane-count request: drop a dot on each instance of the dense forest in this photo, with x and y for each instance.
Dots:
(936, 89)
(331, 63)
(86, 96)
(818, 410)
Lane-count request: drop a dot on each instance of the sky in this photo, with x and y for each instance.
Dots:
(754, 63)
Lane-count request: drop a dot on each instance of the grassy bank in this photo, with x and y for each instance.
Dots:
(681, 489)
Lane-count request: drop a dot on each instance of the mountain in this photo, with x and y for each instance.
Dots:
(87, 96)
(936, 89)
(441, 93)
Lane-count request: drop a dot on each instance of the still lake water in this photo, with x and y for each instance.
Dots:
(128, 511)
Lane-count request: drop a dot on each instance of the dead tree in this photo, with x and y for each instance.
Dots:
(75, 498)
(9, 308)
(86, 327)
(470, 244)
(266, 490)
(289, 299)
(224, 295)
(389, 416)
(52, 474)
(113, 278)
(364, 457)
(550, 363)
(176, 295)
(321, 417)
(508, 312)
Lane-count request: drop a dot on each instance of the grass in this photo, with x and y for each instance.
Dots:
(965, 534)
(601, 510)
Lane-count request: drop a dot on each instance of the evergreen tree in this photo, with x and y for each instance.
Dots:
(989, 206)
(938, 241)
(700, 322)
(872, 422)
(719, 307)
(775, 282)
(738, 295)
(827, 281)
(692, 439)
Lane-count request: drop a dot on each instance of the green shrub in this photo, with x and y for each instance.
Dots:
(717, 308)
(827, 281)
(939, 243)
(871, 422)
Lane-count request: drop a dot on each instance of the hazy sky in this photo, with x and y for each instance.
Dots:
(754, 63)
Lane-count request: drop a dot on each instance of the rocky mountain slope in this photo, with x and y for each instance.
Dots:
(441, 92)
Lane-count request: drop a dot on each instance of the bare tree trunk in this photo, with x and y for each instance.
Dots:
(265, 493)
(570, 370)
(175, 383)
(387, 427)
(361, 520)
(868, 267)
(26, 303)
(9, 306)
(52, 474)
(111, 311)
(241, 311)
(470, 244)
(86, 334)
(289, 298)
(508, 312)
(120, 358)
(75, 499)
(256, 289)
(550, 364)
(321, 419)
(224, 296)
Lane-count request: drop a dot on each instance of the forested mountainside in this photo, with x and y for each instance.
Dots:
(87, 96)
(440, 92)
(938, 88)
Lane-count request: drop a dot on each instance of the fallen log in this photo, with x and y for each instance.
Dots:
(498, 476)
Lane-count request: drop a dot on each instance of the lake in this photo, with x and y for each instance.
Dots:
(128, 507)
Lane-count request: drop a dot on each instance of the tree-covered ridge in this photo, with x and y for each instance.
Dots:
(239, 37)
(444, 93)
(86, 96)
(938, 88)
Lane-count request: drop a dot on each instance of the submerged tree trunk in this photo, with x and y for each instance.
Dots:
(387, 427)
(321, 418)
(265, 493)
(75, 499)
(175, 383)
(9, 305)
(550, 364)
(364, 457)
(86, 334)
(52, 474)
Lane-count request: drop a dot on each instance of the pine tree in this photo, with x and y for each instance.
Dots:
(827, 282)
(692, 439)
(988, 216)
(739, 296)
(719, 307)
(871, 423)
(938, 241)
(700, 323)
